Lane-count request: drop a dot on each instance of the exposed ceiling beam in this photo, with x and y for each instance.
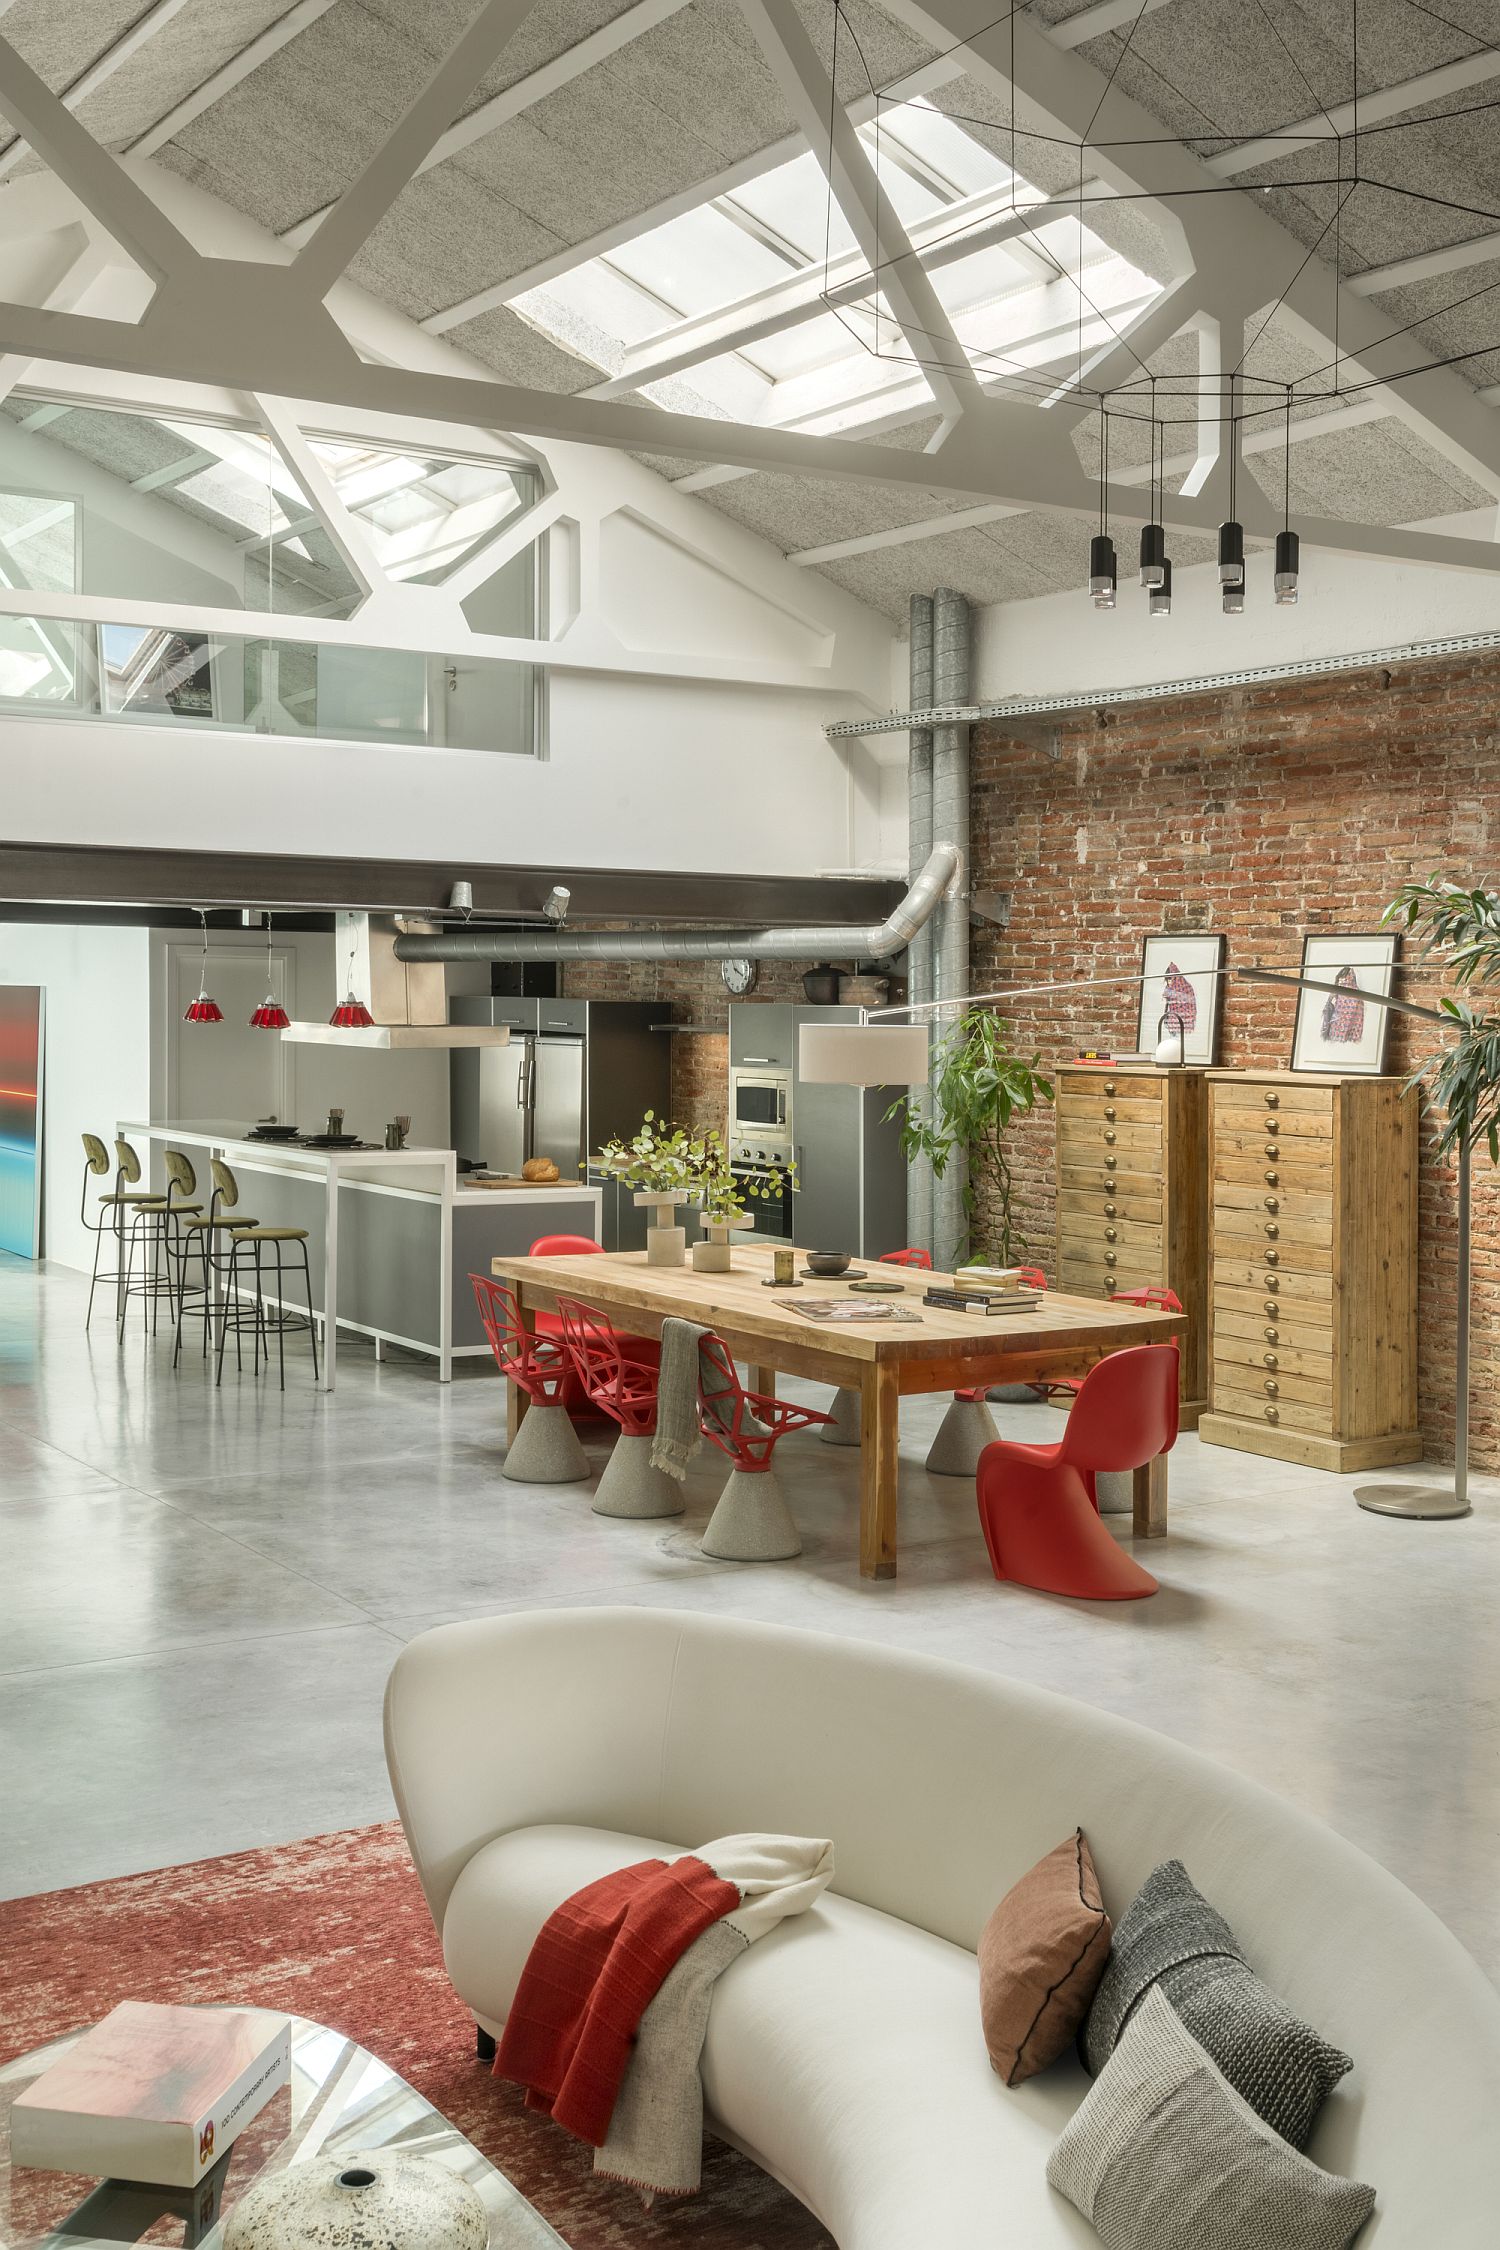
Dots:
(1427, 266)
(348, 225)
(172, 472)
(902, 534)
(103, 68)
(1374, 109)
(915, 306)
(738, 174)
(1106, 15)
(512, 101)
(229, 75)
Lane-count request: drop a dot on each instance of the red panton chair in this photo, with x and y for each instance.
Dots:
(624, 1389)
(545, 1449)
(645, 1349)
(1037, 1507)
(752, 1522)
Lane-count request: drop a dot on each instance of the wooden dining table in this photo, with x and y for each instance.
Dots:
(882, 1361)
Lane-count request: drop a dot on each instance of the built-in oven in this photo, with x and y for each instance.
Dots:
(771, 1204)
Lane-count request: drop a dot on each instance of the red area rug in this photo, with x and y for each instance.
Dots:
(337, 1928)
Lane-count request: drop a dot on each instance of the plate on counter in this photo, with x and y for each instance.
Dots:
(273, 1133)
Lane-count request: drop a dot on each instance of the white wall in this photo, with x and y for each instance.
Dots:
(1060, 644)
(97, 1060)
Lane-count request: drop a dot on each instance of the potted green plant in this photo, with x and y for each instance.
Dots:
(979, 1085)
(1463, 1077)
(664, 1164)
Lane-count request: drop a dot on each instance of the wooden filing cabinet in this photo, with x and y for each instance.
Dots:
(1313, 1268)
(1132, 1195)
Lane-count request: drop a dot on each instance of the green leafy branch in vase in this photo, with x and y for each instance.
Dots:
(666, 1159)
(726, 1194)
(979, 1085)
(1464, 1078)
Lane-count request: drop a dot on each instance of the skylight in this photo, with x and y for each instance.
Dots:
(721, 310)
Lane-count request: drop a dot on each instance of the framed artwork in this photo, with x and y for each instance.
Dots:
(1339, 1030)
(21, 1020)
(1182, 982)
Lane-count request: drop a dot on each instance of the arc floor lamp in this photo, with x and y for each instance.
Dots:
(875, 1052)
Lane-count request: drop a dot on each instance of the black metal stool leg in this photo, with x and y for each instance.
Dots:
(231, 1296)
(312, 1331)
(280, 1323)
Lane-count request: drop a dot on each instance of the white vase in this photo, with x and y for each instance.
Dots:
(375, 2199)
(666, 1244)
(711, 1255)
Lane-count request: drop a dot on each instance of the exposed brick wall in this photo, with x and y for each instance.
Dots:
(1266, 812)
(692, 992)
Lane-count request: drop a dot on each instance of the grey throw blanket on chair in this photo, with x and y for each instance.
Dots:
(677, 1435)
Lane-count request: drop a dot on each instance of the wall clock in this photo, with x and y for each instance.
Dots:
(739, 976)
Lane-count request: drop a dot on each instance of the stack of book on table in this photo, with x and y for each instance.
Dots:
(153, 2094)
(984, 1290)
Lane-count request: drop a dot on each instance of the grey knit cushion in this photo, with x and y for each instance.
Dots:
(1164, 2155)
(1170, 1936)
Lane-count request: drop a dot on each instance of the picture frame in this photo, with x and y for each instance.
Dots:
(1187, 969)
(1349, 1037)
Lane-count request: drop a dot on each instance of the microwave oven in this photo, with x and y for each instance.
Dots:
(760, 1108)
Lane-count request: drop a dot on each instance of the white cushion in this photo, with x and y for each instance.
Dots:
(845, 2046)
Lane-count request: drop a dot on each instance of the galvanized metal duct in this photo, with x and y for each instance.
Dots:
(919, 954)
(840, 941)
(950, 817)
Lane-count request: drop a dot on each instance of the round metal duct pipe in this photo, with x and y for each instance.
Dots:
(919, 957)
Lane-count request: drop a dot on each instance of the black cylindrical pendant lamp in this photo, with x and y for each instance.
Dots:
(1153, 554)
(1288, 564)
(1160, 602)
(1103, 570)
(1231, 552)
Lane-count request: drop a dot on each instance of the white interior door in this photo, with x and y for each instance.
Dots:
(227, 1072)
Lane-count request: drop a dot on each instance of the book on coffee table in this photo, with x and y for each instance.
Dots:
(153, 2093)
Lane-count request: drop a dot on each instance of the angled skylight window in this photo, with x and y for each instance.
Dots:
(756, 306)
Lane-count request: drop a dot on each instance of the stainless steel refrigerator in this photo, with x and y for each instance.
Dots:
(575, 1074)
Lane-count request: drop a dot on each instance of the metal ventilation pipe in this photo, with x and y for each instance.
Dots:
(840, 941)
(950, 816)
(919, 956)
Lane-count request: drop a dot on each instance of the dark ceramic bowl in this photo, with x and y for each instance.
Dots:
(827, 1261)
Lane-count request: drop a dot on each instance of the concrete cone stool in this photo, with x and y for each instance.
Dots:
(844, 1429)
(964, 1432)
(545, 1450)
(1114, 1489)
(752, 1522)
(631, 1487)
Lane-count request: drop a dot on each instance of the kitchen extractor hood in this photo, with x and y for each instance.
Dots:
(408, 999)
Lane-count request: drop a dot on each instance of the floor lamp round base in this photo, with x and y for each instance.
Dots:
(1427, 1502)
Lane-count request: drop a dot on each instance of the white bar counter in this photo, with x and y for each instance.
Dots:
(393, 1235)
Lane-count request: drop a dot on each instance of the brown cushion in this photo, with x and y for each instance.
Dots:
(1042, 1953)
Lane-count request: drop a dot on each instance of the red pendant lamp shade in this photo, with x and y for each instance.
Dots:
(203, 1010)
(351, 1015)
(270, 1016)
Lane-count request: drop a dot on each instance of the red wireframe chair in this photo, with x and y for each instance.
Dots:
(644, 1349)
(751, 1522)
(545, 1449)
(1037, 1505)
(625, 1391)
(921, 1259)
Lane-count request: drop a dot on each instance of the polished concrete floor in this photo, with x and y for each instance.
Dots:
(201, 1594)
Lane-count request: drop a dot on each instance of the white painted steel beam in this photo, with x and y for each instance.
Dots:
(1429, 265)
(1106, 15)
(915, 306)
(229, 75)
(1376, 108)
(351, 221)
(903, 534)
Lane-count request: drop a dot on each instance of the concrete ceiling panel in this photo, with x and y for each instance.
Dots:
(798, 512)
(1379, 473)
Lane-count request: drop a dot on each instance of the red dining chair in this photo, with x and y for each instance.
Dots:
(545, 1449)
(644, 1349)
(1037, 1506)
(751, 1522)
(625, 1391)
(969, 1426)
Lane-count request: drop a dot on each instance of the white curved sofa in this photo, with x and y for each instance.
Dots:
(531, 1753)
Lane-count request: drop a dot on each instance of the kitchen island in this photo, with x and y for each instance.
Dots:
(393, 1234)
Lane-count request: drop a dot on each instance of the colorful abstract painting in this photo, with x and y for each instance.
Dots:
(20, 1118)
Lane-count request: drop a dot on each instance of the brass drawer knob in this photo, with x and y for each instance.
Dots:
(1110, 1258)
(1110, 1138)
(1273, 1258)
(1270, 1359)
(1272, 1204)
(1273, 1335)
(1272, 1414)
(1110, 1162)
(1272, 1229)
(1273, 1101)
(1273, 1152)
(1273, 1310)
(1109, 1117)
(1273, 1124)
(1109, 1086)
(1110, 1284)
(1111, 1234)
(1273, 1179)
(1109, 1210)
(1273, 1389)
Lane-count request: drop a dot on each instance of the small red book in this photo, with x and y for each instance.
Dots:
(152, 2093)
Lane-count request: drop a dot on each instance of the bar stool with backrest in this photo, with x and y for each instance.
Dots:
(211, 1238)
(156, 1235)
(249, 1248)
(751, 1522)
(545, 1449)
(625, 1391)
(1037, 1504)
(112, 1213)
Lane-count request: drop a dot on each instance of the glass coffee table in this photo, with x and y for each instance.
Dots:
(341, 2099)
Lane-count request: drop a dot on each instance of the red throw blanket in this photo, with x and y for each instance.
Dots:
(596, 1966)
